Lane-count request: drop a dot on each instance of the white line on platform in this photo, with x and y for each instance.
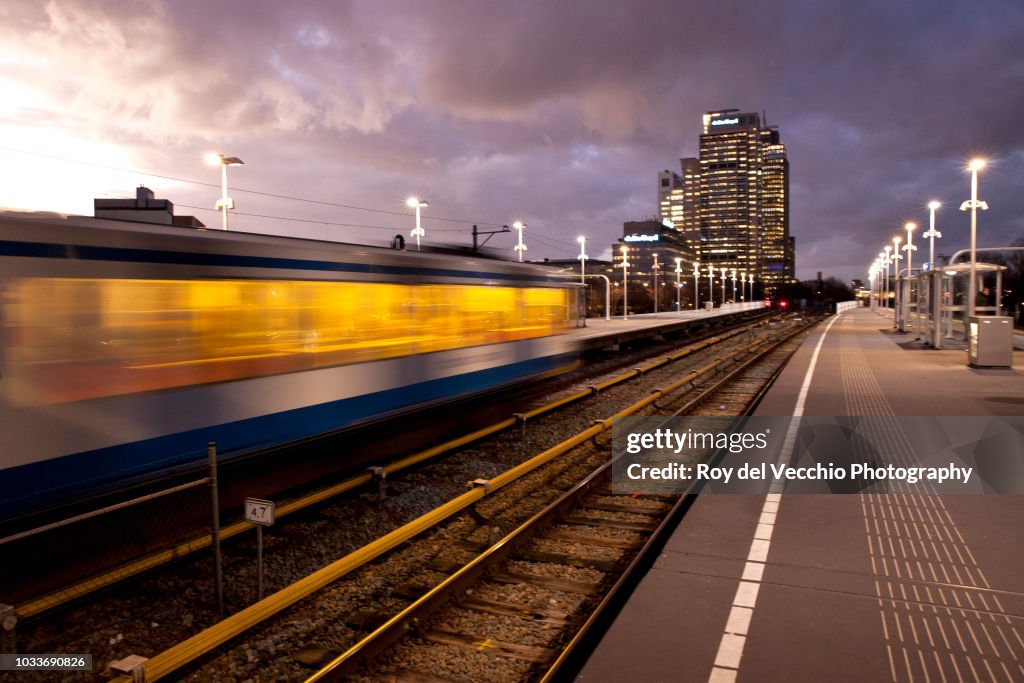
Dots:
(734, 637)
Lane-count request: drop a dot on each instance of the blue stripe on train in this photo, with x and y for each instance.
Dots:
(96, 253)
(38, 485)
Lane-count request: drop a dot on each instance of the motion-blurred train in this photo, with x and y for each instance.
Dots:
(126, 347)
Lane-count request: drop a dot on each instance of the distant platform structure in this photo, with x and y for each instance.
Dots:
(145, 208)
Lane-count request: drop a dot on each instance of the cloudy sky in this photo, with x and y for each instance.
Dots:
(559, 114)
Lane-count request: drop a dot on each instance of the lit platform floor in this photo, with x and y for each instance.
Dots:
(600, 333)
(856, 587)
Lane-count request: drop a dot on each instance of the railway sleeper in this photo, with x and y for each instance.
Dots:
(611, 523)
(550, 582)
(529, 653)
(610, 566)
(590, 539)
(547, 616)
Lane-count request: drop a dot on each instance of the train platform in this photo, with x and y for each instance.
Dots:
(604, 333)
(773, 586)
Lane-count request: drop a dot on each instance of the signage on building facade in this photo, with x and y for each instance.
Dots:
(641, 238)
(724, 122)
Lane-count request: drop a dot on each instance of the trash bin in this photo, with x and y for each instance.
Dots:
(990, 341)
(709, 305)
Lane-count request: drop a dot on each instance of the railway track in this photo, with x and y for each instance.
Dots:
(204, 655)
(503, 615)
(522, 609)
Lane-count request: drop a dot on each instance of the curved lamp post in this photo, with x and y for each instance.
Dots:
(696, 285)
(625, 282)
(417, 203)
(973, 204)
(225, 203)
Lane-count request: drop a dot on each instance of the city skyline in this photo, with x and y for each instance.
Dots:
(495, 114)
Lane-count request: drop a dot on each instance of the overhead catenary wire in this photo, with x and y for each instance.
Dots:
(241, 189)
(547, 241)
(313, 221)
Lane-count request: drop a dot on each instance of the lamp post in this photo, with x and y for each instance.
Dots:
(932, 233)
(679, 285)
(896, 258)
(582, 257)
(696, 285)
(723, 286)
(734, 285)
(743, 286)
(880, 273)
(625, 283)
(973, 204)
(520, 247)
(872, 276)
(751, 276)
(416, 203)
(225, 203)
(711, 284)
(887, 263)
(910, 248)
(656, 268)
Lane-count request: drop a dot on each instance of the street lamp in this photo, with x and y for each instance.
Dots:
(896, 258)
(582, 257)
(225, 203)
(723, 286)
(743, 286)
(910, 248)
(711, 284)
(416, 203)
(973, 204)
(872, 275)
(625, 282)
(751, 276)
(520, 247)
(656, 268)
(679, 285)
(696, 285)
(734, 285)
(887, 262)
(932, 233)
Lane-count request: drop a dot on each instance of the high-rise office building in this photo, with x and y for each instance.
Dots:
(731, 206)
(679, 200)
(730, 217)
(670, 197)
(776, 248)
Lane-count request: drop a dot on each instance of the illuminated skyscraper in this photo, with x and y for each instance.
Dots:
(776, 248)
(744, 193)
(730, 220)
(679, 200)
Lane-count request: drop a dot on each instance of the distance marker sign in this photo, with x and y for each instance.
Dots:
(259, 511)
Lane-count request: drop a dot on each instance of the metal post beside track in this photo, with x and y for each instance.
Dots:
(211, 455)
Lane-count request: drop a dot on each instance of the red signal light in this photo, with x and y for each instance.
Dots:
(783, 304)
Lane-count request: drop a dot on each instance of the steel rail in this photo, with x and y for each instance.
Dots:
(388, 633)
(191, 649)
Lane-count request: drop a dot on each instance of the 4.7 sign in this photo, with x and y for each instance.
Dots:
(259, 511)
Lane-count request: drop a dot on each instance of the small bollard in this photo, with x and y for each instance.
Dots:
(8, 634)
(521, 420)
(379, 475)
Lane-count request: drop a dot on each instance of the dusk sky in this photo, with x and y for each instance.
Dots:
(559, 114)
